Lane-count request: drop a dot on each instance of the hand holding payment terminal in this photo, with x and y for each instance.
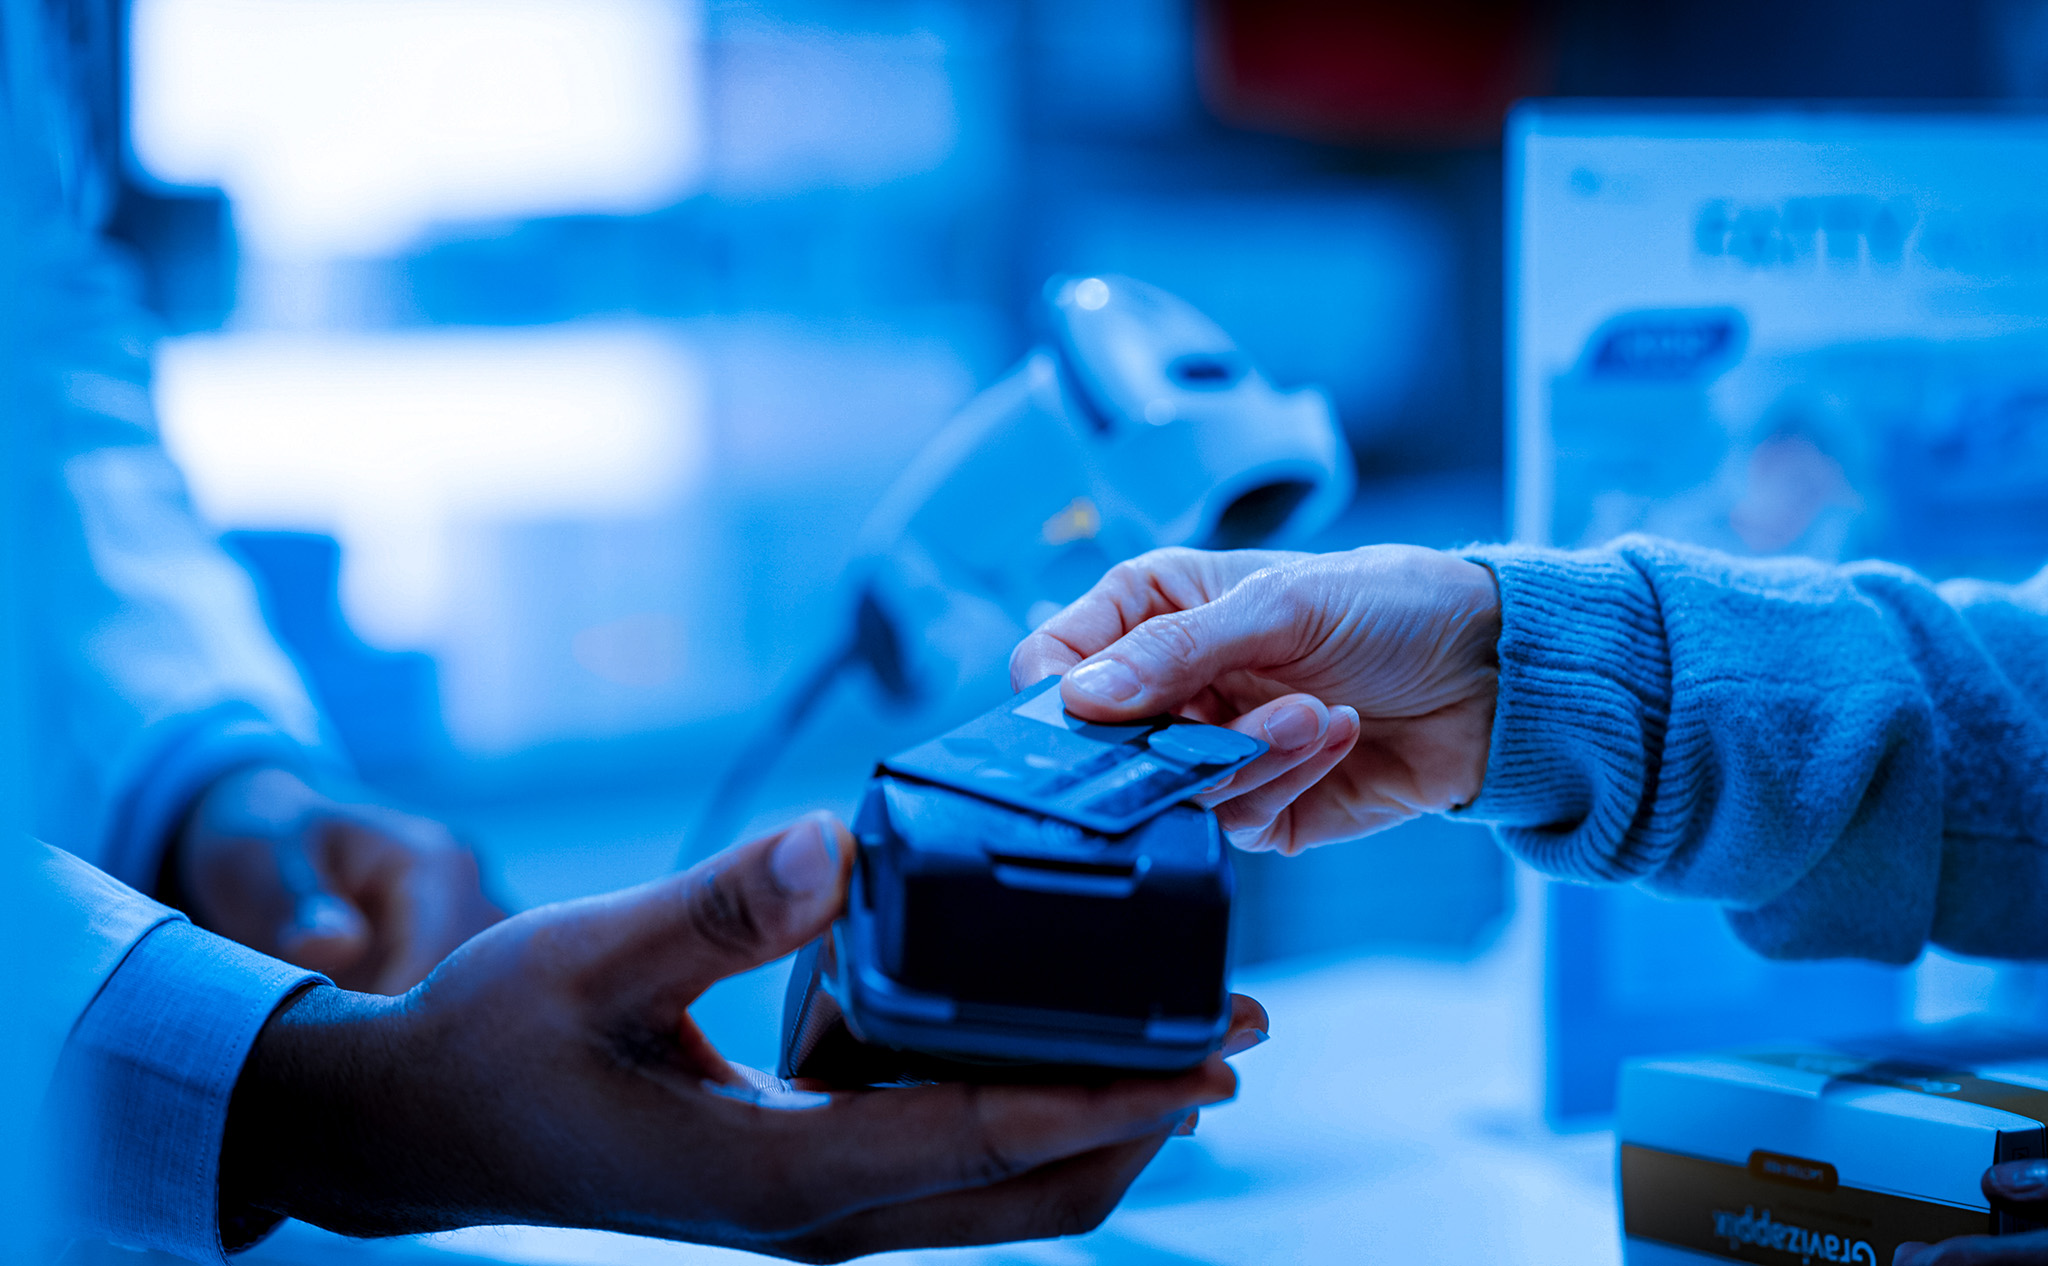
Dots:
(1034, 898)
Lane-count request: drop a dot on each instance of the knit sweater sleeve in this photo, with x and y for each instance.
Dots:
(1851, 760)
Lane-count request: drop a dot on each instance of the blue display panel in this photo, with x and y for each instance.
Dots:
(1770, 330)
(1819, 332)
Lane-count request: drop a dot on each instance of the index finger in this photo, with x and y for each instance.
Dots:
(1129, 594)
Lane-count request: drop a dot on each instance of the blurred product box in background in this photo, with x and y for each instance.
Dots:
(1822, 1154)
(1769, 329)
(1785, 331)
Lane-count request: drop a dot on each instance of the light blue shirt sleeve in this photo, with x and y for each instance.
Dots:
(156, 672)
(153, 671)
(140, 1102)
(147, 672)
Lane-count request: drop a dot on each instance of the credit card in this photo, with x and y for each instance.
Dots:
(1032, 754)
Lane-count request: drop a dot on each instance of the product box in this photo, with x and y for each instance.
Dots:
(1808, 1155)
(1766, 328)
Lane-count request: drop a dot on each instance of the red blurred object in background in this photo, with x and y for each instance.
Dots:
(1422, 72)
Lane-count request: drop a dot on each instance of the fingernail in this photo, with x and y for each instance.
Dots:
(1293, 726)
(1243, 1041)
(322, 915)
(1105, 679)
(1251, 839)
(806, 860)
(1186, 1128)
(1908, 1253)
(2021, 1178)
(783, 1098)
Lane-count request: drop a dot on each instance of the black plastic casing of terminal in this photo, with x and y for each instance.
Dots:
(980, 938)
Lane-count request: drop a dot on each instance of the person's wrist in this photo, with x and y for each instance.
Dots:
(1477, 652)
(314, 1128)
(175, 885)
(170, 886)
(1479, 604)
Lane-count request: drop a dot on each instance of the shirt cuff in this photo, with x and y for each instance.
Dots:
(142, 1091)
(1584, 698)
(206, 747)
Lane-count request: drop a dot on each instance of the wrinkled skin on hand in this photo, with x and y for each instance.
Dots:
(369, 896)
(549, 1072)
(1370, 672)
(2019, 1187)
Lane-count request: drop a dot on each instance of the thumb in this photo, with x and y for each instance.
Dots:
(2020, 1182)
(1171, 658)
(753, 903)
(322, 930)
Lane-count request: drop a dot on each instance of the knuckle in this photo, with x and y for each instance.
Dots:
(1028, 659)
(1132, 573)
(1143, 573)
(1077, 1213)
(779, 1207)
(1252, 813)
(1283, 594)
(1171, 638)
(986, 1162)
(436, 840)
(720, 913)
(416, 838)
(438, 847)
(1168, 558)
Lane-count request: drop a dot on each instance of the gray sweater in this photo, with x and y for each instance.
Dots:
(1851, 760)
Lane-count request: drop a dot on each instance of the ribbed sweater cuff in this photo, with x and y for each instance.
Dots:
(1585, 693)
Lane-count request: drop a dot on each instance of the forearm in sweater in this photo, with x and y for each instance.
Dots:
(1852, 760)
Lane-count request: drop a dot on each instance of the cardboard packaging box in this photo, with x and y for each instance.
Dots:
(1799, 1156)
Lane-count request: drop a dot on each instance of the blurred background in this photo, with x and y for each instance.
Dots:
(592, 330)
(543, 359)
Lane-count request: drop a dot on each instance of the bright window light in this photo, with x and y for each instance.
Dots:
(394, 442)
(344, 127)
